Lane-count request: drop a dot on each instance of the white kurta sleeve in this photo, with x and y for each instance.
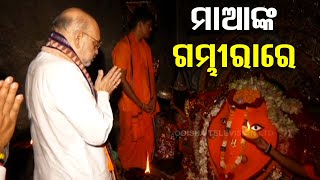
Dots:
(73, 98)
(2, 173)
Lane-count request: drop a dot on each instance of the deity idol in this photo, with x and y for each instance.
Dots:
(243, 114)
(251, 108)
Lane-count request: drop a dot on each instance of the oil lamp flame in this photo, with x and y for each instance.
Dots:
(248, 125)
(147, 171)
(31, 141)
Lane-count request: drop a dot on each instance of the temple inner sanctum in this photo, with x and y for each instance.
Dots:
(228, 104)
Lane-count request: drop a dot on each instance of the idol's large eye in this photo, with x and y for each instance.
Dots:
(256, 127)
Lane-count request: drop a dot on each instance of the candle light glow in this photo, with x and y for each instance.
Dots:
(147, 171)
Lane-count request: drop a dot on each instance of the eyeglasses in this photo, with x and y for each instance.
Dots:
(97, 43)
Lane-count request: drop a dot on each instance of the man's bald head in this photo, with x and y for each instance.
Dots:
(81, 31)
(73, 20)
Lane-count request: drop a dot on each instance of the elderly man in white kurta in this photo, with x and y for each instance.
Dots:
(71, 117)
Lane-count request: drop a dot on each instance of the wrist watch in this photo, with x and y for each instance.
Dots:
(4, 155)
(2, 158)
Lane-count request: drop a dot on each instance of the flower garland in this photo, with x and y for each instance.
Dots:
(223, 147)
(275, 174)
(201, 152)
(278, 105)
(196, 148)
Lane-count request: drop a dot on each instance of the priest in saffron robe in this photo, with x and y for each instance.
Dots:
(138, 102)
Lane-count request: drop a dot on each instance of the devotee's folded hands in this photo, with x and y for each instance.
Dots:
(152, 105)
(147, 108)
(9, 108)
(108, 82)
